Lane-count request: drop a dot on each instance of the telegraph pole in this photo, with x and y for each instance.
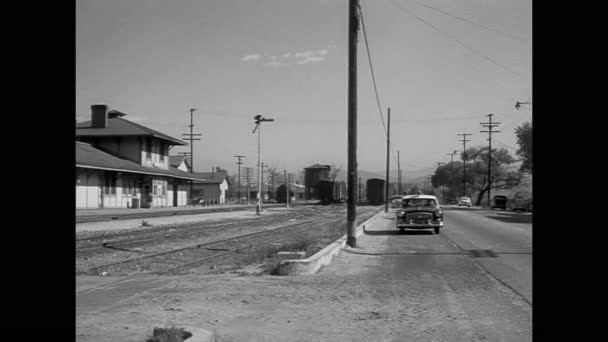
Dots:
(452, 171)
(398, 174)
(248, 175)
(351, 203)
(286, 177)
(191, 137)
(489, 125)
(388, 147)
(262, 181)
(442, 189)
(238, 189)
(464, 162)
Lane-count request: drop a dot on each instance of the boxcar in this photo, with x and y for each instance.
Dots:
(499, 202)
(375, 191)
(281, 193)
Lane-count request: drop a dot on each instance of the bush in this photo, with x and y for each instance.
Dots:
(172, 334)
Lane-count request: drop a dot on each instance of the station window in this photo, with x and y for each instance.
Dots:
(109, 183)
(148, 147)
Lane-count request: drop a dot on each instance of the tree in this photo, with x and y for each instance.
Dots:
(273, 177)
(334, 171)
(503, 176)
(524, 140)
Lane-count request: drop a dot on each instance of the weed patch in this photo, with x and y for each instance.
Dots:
(172, 334)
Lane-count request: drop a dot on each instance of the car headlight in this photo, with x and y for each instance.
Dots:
(402, 213)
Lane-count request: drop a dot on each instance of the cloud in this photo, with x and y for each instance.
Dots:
(310, 59)
(252, 57)
(311, 53)
(288, 58)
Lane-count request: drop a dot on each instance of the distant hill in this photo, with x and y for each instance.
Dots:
(413, 178)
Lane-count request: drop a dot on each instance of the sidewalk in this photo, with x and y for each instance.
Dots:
(391, 287)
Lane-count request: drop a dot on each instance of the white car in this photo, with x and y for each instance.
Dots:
(419, 212)
(464, 201)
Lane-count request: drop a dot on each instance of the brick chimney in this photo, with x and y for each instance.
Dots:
(99, 116)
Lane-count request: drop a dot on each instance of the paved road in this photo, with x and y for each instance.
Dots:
(506, 235)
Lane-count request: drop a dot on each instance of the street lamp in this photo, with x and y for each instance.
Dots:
(258, 119)
(518, 104)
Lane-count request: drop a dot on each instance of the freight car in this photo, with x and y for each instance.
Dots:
(331, 192)
(280, 195)
(375, 191)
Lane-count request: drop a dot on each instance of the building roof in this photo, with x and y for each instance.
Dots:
(318, 166)
(117, 126)
(211, 177)
(89, 157)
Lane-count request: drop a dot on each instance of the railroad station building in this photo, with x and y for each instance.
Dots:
(121, 164)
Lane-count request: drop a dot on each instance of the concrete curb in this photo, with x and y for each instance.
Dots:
(323, 257)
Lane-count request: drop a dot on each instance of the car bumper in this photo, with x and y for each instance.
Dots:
(407, 225)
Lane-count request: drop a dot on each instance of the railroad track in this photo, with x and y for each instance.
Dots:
(185, 257)
(113, 241)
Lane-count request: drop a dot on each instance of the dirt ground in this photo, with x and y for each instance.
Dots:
(355, 298)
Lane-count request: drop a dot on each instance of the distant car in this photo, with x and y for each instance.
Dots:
(464, 201)
(395, 201)
(419, 212)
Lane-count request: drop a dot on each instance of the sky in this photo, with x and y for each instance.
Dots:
(440, 66)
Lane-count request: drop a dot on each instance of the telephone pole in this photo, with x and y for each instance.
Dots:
(489, 125)
(191, 137)
(464, 162)
(442, 188)
(262, 182)
(388, 147)
(238, 188)
(248, 176)
(398, 174)
(286, 177)
(351, 201)
(452, 171)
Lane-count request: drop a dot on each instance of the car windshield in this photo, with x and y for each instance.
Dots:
(419, 202)
(465, 199)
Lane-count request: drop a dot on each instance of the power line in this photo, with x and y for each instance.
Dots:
(371, 67)
(512, 36)
(458, 41)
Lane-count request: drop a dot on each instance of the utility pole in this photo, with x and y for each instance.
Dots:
(388, 147)
(398, 174)
(442, 189)
(286, 177)
(259, 119)
(262, 181)
(464, 162)
(238, 189)
(191, 137)
(351, 203)
(489, 125)
(248, 176)
(452, 171)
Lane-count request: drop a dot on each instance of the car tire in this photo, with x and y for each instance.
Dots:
(401, 230)
(436, 230)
